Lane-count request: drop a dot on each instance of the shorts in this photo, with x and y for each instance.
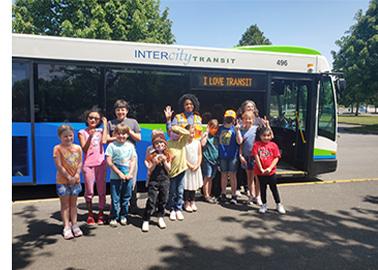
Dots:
(68, 190)
(250, 163)
(229, 165)
(208, 169)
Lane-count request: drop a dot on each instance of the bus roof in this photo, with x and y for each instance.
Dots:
(266, 58)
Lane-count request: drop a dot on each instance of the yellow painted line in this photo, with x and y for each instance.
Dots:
(80, 198)
(331, 182)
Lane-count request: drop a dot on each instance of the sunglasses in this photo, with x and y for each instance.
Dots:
(93, 118)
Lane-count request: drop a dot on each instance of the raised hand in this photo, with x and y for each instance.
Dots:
(168, 112)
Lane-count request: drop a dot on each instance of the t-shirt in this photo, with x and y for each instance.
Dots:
(70, 158)
(267, 152)
(131, 123)
(227, 145)
(178, 151)
(210, 150)
(121, 154)
(249, 136)
(95, 154)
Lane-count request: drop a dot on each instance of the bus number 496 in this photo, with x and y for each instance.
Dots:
(282, 62)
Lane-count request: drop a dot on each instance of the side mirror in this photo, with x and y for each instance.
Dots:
(340, 85)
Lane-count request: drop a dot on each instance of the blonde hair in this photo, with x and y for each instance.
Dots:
(248, 113)
(64, 128)
(121, 129)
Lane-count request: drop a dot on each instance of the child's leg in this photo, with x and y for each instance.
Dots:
(233, 183)
(65, 210)
(153, 191)
(263, 186)
(89, 180)
(180, 192)
(162, 197)
(272, 180)
(206, 186)
(251, 184)
(172, 194)
(101, 185)
(115, 188)
(126, 192)
(256, 182)
(224, 182)
(73, 209)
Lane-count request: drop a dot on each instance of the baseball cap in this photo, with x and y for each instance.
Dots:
(230, 113)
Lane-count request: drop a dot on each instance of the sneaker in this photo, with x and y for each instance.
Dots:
(258, 201)
(179, 215)
(188, 208)
(90, 220)
(123, 221)
(113, 223)
(76, 230)
(172, 215)
(100, 220)
(250, 200)
(67, 233)
(234, 200)
(238, 193)
(145, 226)
(263, 208)
(161, 223)
(194, 207)
(222, 198)
(281, 209)
(209, 200)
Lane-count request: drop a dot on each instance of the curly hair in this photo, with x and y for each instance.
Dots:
(193, 99)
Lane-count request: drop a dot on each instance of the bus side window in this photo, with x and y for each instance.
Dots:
(327, 117)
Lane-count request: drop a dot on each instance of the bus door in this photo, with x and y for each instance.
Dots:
(289, 110)
(22, 147)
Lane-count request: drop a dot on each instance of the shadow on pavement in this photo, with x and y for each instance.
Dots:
(302, 239)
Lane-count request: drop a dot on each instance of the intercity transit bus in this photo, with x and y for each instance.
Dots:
(56, 79)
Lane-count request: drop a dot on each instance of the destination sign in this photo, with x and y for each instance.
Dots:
(229, 81)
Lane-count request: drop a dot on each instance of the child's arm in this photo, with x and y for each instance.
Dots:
(78, 170)
(204, 137)
(167, 164)
(199, 160)
(243, 161)
(136, 136)
(85, 143)
(258, 161)
(114, 168)
(105, 131)
(130, 175)
(274, 163)
(239, 137)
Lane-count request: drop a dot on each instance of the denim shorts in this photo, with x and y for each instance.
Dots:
(68, 190)
(229, 165)
(250, 163)
(208, 169)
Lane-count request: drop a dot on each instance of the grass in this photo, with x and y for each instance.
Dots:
(364, 124)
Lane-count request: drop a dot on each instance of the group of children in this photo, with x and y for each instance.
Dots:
(177, 167)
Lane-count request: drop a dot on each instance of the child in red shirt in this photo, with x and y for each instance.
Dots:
(266, 155)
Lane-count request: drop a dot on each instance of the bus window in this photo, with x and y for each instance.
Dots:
(64, 92)
(326, 118)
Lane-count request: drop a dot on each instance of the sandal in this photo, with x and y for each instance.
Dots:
(76, 230)
(67, 233)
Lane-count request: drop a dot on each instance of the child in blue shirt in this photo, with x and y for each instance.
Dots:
(228, 154)
(120, 157)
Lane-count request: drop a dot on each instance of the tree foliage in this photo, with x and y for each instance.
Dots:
(358, 58)
(253, 36)
(133, 20)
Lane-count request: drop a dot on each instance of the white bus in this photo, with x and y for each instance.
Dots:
(56, 79)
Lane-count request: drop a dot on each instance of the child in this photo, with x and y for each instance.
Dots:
(67, 157)
(266, 155)
(121, 109)
(158, 163)
(228, 152)
(193, 175)
(120, 157)
(246, 138)
(210, 158)
(92, 140)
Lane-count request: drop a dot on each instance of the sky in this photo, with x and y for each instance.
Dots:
(221, 23)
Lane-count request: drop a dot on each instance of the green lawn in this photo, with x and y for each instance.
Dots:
(367, 124)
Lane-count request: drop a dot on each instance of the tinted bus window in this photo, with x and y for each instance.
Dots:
(64, 92)
(326, 118)
(20, 92)
(147, 91)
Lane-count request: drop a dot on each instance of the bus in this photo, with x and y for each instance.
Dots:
(55, 79)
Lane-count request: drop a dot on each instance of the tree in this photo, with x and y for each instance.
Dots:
(358, 58)
(133, 20)
(253, 36)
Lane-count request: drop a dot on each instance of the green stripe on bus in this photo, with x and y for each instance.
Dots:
(281, 49)
(153, 126)
(322, 152)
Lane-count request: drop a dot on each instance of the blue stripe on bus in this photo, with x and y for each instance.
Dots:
(324, 157)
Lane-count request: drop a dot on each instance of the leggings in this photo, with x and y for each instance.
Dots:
(189, 195)
(92, 175)
(270, 180)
